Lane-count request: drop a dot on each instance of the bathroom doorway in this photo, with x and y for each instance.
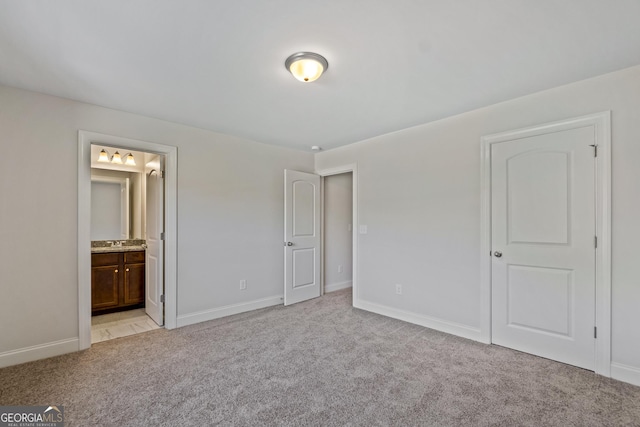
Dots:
(126, 237)
(127, 219)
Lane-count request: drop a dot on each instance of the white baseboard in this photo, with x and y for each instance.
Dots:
(337, 286)
(228, 310)
(628, 374)
(460, 330)
(37, 352)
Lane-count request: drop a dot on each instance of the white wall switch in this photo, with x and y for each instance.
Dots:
(349, 227)
(340, 269)
(243, 284)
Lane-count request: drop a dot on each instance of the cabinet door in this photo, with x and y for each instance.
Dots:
(104, 287)
(134, 283)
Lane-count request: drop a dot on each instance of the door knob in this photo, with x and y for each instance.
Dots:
(497, 254)
(289, 243)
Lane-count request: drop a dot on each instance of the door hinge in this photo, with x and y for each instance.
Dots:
(161, 174)
(595, 332)
(162, 298)
(162, 236)
(595, 242)
(595, 150)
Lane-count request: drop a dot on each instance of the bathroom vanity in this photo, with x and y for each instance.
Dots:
(117, 278)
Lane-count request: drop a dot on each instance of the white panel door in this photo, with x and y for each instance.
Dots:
(154, 289)
(543, 231)
(301, 236)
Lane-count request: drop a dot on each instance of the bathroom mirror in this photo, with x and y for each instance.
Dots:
(110, 208)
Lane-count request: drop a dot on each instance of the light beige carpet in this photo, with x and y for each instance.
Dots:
(318, 363)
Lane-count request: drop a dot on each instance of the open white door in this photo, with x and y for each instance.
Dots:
(543, 228)
(154, 292)
(301, 236)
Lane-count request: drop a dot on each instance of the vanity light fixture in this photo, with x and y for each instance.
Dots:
(130, 160)
(306, 66)
(104, 156)
(116, 158)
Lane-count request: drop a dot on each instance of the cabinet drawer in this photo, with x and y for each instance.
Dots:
(105, 259)
(131, 257)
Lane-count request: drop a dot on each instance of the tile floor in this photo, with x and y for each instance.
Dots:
(115, 325)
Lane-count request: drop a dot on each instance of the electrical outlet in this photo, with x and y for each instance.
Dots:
(398, 289)
(349, 228)
(243, 285)
(339, 269)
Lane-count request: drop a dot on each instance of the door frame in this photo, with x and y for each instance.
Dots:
(353, 169)
(601, 123)
(85, 140)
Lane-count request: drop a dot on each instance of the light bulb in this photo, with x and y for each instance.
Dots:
(130, 160)
(306, 70)
(104, 156)
(116, 158)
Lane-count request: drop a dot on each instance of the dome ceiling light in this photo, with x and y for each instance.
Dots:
(306, 66)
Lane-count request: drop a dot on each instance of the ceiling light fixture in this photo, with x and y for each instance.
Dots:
(306, 66)
(116, 158)
(130, 160)
(104, 156)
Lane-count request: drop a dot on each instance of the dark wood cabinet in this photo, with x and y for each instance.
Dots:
(117, 281)
(134, 276)
(104, 287)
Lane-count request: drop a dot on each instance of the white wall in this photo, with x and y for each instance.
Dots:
(338, 215)
(230, 216)
(231, 222)
(419, 195)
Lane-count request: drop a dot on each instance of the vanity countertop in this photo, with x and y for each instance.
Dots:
(106, 249)
(107, 246)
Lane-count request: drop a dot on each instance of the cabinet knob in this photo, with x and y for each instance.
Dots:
(126, 269)
(116, 270)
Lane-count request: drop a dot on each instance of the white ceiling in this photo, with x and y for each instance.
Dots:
(393, 64)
